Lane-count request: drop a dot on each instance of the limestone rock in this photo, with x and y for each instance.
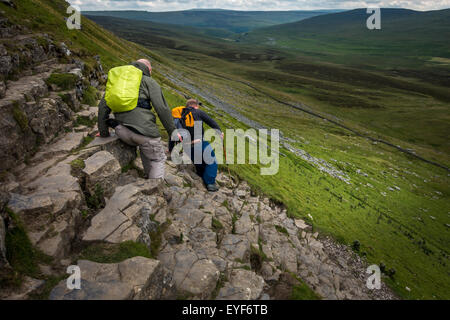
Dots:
(236, 247)
(28, 118)
(50, 211)
(28, 286)
(174, 180)
(301, 224)
(243, 285)
(70, 98)
(64, 145)
(30, 205)
(2, 89)
(118, 281)
(89, 113)
(244, 224)
(101, 169)
(194, 276)
(116, 222)
(124, 153)
(57, 240)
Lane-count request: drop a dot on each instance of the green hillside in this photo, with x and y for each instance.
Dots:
(88, 42)
(220, 23)
(406, 229)
(407, 37)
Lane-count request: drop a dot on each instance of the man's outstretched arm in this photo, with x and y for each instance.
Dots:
(161, 107)
(209, 121)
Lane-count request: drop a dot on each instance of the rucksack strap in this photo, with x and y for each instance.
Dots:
(144, 104)
(187, 118)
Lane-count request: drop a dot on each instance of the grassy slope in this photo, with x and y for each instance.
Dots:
(48, 17)
(389, 77)
(216, 22)
(406, 35)
(405, 229)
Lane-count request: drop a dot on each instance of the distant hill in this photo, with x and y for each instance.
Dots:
(216, 22)
(403, 32)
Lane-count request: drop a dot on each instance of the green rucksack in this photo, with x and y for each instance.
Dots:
(122, 88)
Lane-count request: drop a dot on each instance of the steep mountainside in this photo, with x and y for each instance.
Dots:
(220, 23)
(404, 33)
(353, 188)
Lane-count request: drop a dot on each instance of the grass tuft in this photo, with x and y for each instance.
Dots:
(20, 117)
(114, 253)
(90, 96)
(64, 81)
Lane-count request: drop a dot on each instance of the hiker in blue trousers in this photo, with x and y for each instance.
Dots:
(186, 117)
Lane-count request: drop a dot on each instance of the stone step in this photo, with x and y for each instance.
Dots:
(50, 208)
(136, 278)
(242, 285)
(24, 90)
(129, 203)
(63, 146)
(33, 86)
(88, 112)
(125, 154)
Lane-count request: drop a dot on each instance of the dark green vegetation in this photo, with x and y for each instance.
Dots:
(395, 205)
(20, 117)
(114, 253)
(90, 96)
(78, 164)
(85, 121)
(96, 201)
(64, 81)
(220, 23)
(301, 291)
(21, 254)
(156, 237)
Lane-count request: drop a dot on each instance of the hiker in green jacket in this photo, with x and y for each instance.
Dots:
(131, 93)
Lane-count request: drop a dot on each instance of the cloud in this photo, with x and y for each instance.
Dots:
(172, 5)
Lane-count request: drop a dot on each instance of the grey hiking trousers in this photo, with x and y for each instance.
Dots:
(151, 149)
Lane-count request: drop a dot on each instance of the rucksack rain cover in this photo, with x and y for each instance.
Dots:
(122, 88)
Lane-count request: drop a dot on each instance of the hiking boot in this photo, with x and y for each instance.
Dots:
(212, 188)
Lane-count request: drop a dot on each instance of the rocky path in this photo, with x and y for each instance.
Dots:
(232, 244)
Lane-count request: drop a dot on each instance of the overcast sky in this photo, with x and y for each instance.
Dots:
(172, 5)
